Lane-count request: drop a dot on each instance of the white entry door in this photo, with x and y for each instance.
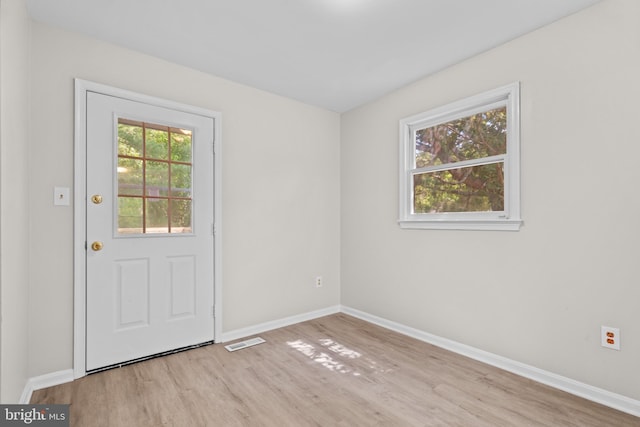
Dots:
(149, 228)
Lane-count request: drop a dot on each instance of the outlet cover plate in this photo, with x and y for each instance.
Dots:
(610, 337)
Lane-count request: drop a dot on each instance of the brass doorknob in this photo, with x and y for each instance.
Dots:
(97, 246)
(96, 198)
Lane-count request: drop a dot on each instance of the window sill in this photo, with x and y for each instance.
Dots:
(485, 224)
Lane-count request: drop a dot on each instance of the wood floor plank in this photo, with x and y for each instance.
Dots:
(332, 371)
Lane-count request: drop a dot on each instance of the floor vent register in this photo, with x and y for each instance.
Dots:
(244, 344)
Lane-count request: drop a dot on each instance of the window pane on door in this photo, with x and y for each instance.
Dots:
(130, 138)
(181, 180)
(157, 179)
(181, 216)
(129, 177)
(180, 145)
(157, 144)
(157, 215)
(154, 169)
(130, 215)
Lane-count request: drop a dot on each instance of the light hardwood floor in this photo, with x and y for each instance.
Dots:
(332, 371)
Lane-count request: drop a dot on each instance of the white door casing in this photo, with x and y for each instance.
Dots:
(144, 294)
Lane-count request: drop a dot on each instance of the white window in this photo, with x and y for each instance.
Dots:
(460, 164)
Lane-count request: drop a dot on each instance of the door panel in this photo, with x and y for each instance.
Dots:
(183, 286)
(150, 284)
(132, 293)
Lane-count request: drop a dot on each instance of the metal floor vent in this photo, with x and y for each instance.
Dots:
(244, 344)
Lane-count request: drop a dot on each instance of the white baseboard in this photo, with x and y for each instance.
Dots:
(44, 381)
(604, 397)
(275, 324)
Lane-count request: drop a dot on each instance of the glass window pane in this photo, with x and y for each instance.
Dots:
(129, 215)
(129, 139)
(181, 145)
(180, 180)
(474, 137)
(157, 215)
(154, 178)
(129, 177)
(181, 216)
(157, 144)
(471, 189)
(157, 179)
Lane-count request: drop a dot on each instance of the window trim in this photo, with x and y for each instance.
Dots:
(509, 219)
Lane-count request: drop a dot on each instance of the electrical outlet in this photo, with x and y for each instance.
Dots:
(318, 281)
(610, 337)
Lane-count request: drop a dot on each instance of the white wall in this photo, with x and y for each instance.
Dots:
(280, 188)
(14, 178)
(539, 295)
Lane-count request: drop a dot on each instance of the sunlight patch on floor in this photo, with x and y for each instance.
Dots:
(337, 358)
(321, 357)
(339, 349)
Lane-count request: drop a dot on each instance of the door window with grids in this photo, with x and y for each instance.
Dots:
(460, 164)
(154, 178)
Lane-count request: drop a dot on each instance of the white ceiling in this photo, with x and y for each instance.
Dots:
(336, 54)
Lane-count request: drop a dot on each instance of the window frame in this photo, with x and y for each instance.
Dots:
(506, 96)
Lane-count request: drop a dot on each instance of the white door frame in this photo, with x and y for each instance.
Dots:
(80, 211)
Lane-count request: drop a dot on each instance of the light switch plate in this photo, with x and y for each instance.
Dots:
(61, 196)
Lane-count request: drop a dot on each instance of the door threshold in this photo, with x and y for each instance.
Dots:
(153, 356)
